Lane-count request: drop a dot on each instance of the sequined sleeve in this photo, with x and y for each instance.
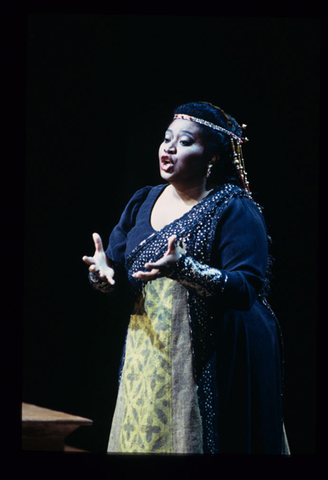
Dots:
(203, 279)
(240, 255)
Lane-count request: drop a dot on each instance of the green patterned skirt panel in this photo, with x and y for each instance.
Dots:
(157, 405)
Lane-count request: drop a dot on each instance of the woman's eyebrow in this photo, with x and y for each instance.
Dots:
(187, 132)
(182, 131)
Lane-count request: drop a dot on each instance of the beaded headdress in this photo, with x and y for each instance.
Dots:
(236, 143)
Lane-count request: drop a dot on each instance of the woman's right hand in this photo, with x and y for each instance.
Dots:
(99, 263)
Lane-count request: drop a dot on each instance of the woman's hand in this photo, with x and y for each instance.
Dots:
(163, 266)
(99, 263)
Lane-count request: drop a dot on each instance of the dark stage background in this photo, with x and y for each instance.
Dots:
(100, 93)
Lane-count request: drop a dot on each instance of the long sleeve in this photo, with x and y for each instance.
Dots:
(118, 238)
(117, 244)
(239, 260)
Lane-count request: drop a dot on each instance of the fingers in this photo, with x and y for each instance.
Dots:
(88, 260)
(98, 242)
(110, 280)
(101, 275)
(162, 262)
(171, 256)
(171, 250)
(148, 276)
(171, 244)
(99, 249)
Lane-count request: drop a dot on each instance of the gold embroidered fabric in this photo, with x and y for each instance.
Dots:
(157, 407)
(147, 414)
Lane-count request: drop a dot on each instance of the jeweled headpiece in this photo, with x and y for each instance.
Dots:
(236, 143)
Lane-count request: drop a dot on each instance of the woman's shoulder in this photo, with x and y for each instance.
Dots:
(141, 196)
(141, 192)
(235, 196)
(238, 204)
(144, 191)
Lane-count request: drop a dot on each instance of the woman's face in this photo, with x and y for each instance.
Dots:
(181, 155)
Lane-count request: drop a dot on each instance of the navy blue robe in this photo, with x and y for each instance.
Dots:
(248, 348)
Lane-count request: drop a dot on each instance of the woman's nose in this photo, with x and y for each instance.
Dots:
(169, 148)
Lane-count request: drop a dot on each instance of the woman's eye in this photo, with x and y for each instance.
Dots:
(185, 142)
(166, 139)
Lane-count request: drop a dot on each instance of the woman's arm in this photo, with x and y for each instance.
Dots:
(106, 268)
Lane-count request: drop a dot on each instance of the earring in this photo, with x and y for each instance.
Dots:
(209, 169)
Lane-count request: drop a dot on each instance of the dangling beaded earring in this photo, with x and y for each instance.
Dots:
(238, 159)
(209, 169)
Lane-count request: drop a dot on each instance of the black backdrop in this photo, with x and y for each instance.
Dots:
(100, 91)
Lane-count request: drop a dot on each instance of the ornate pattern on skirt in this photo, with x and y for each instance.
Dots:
(146, 377)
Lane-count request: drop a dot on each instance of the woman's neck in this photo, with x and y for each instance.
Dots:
(190, 194)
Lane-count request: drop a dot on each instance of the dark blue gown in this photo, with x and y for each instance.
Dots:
(235, 335)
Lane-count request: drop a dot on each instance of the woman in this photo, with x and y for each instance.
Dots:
(201, 369)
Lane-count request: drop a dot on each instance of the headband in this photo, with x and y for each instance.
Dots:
(208, 124)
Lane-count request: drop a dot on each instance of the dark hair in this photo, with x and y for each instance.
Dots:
(215, 142)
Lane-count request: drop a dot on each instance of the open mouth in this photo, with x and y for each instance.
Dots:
(166, 164)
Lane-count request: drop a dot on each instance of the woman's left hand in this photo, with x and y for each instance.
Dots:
(163, 266)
